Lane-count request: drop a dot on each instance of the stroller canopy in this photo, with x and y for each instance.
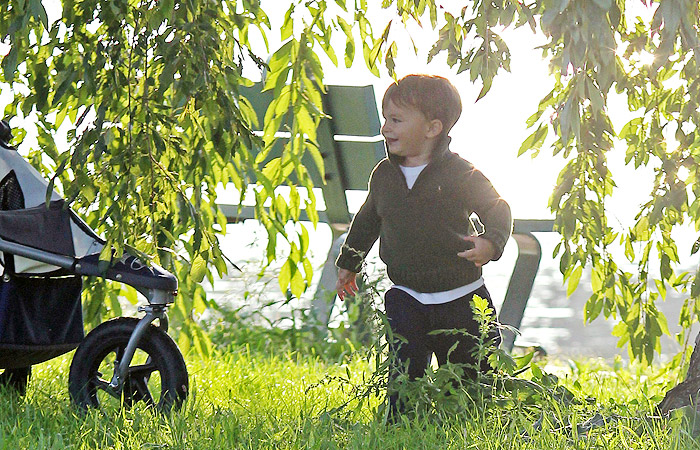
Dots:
(27, 219)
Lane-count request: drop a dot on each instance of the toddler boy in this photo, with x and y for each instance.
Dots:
(419, 205)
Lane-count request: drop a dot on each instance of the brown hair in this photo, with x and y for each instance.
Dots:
(432, 95)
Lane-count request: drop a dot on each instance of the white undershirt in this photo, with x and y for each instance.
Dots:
(437, 298)
(411, 173)
(434, 298)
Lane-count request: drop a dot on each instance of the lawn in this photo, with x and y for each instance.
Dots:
(273, 398)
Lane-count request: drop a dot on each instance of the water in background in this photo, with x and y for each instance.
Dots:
(551, 320)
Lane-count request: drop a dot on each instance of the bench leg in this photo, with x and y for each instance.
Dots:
(324, 298)
(520, 285)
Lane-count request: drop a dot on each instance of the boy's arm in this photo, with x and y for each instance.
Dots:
(363, 233)
(494, 213)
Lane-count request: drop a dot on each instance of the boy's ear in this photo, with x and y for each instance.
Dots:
(435, 128)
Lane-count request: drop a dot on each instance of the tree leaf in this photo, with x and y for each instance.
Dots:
(695, 287)
(198, 269)
(485, 88)
(535, 140)
(39, 12)
(573, 280)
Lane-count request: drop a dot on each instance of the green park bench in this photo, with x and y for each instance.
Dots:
(351, 145)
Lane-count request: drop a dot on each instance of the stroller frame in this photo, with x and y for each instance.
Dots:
(158, 300)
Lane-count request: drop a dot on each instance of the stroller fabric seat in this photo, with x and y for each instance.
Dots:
(37, 226)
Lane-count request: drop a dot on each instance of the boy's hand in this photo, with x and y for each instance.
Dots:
(481, 253)
(346, 284)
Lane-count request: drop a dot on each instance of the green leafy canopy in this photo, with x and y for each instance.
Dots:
(151, 89)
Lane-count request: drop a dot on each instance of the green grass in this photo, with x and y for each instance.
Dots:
(247, 399)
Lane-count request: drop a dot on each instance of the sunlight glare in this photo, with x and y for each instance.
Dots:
(645, 58)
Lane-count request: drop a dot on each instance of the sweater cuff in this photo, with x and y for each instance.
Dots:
(350, 259)
(498, 243)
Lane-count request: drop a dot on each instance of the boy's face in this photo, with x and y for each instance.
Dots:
(409, 133)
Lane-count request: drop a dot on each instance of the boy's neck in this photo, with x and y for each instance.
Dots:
(414, 161)
(425, 157)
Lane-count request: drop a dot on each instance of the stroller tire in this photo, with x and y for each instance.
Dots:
(97, 356)
(16, 379)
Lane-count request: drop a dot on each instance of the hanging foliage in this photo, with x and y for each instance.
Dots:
(152, 91)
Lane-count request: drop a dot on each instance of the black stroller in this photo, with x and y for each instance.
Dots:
(45, 249)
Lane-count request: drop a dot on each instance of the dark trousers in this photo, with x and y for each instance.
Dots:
(414, 322)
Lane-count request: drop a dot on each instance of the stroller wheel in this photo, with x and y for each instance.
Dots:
(16, 379)
(157, 374)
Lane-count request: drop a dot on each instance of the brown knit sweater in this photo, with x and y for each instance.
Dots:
(421, 230)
